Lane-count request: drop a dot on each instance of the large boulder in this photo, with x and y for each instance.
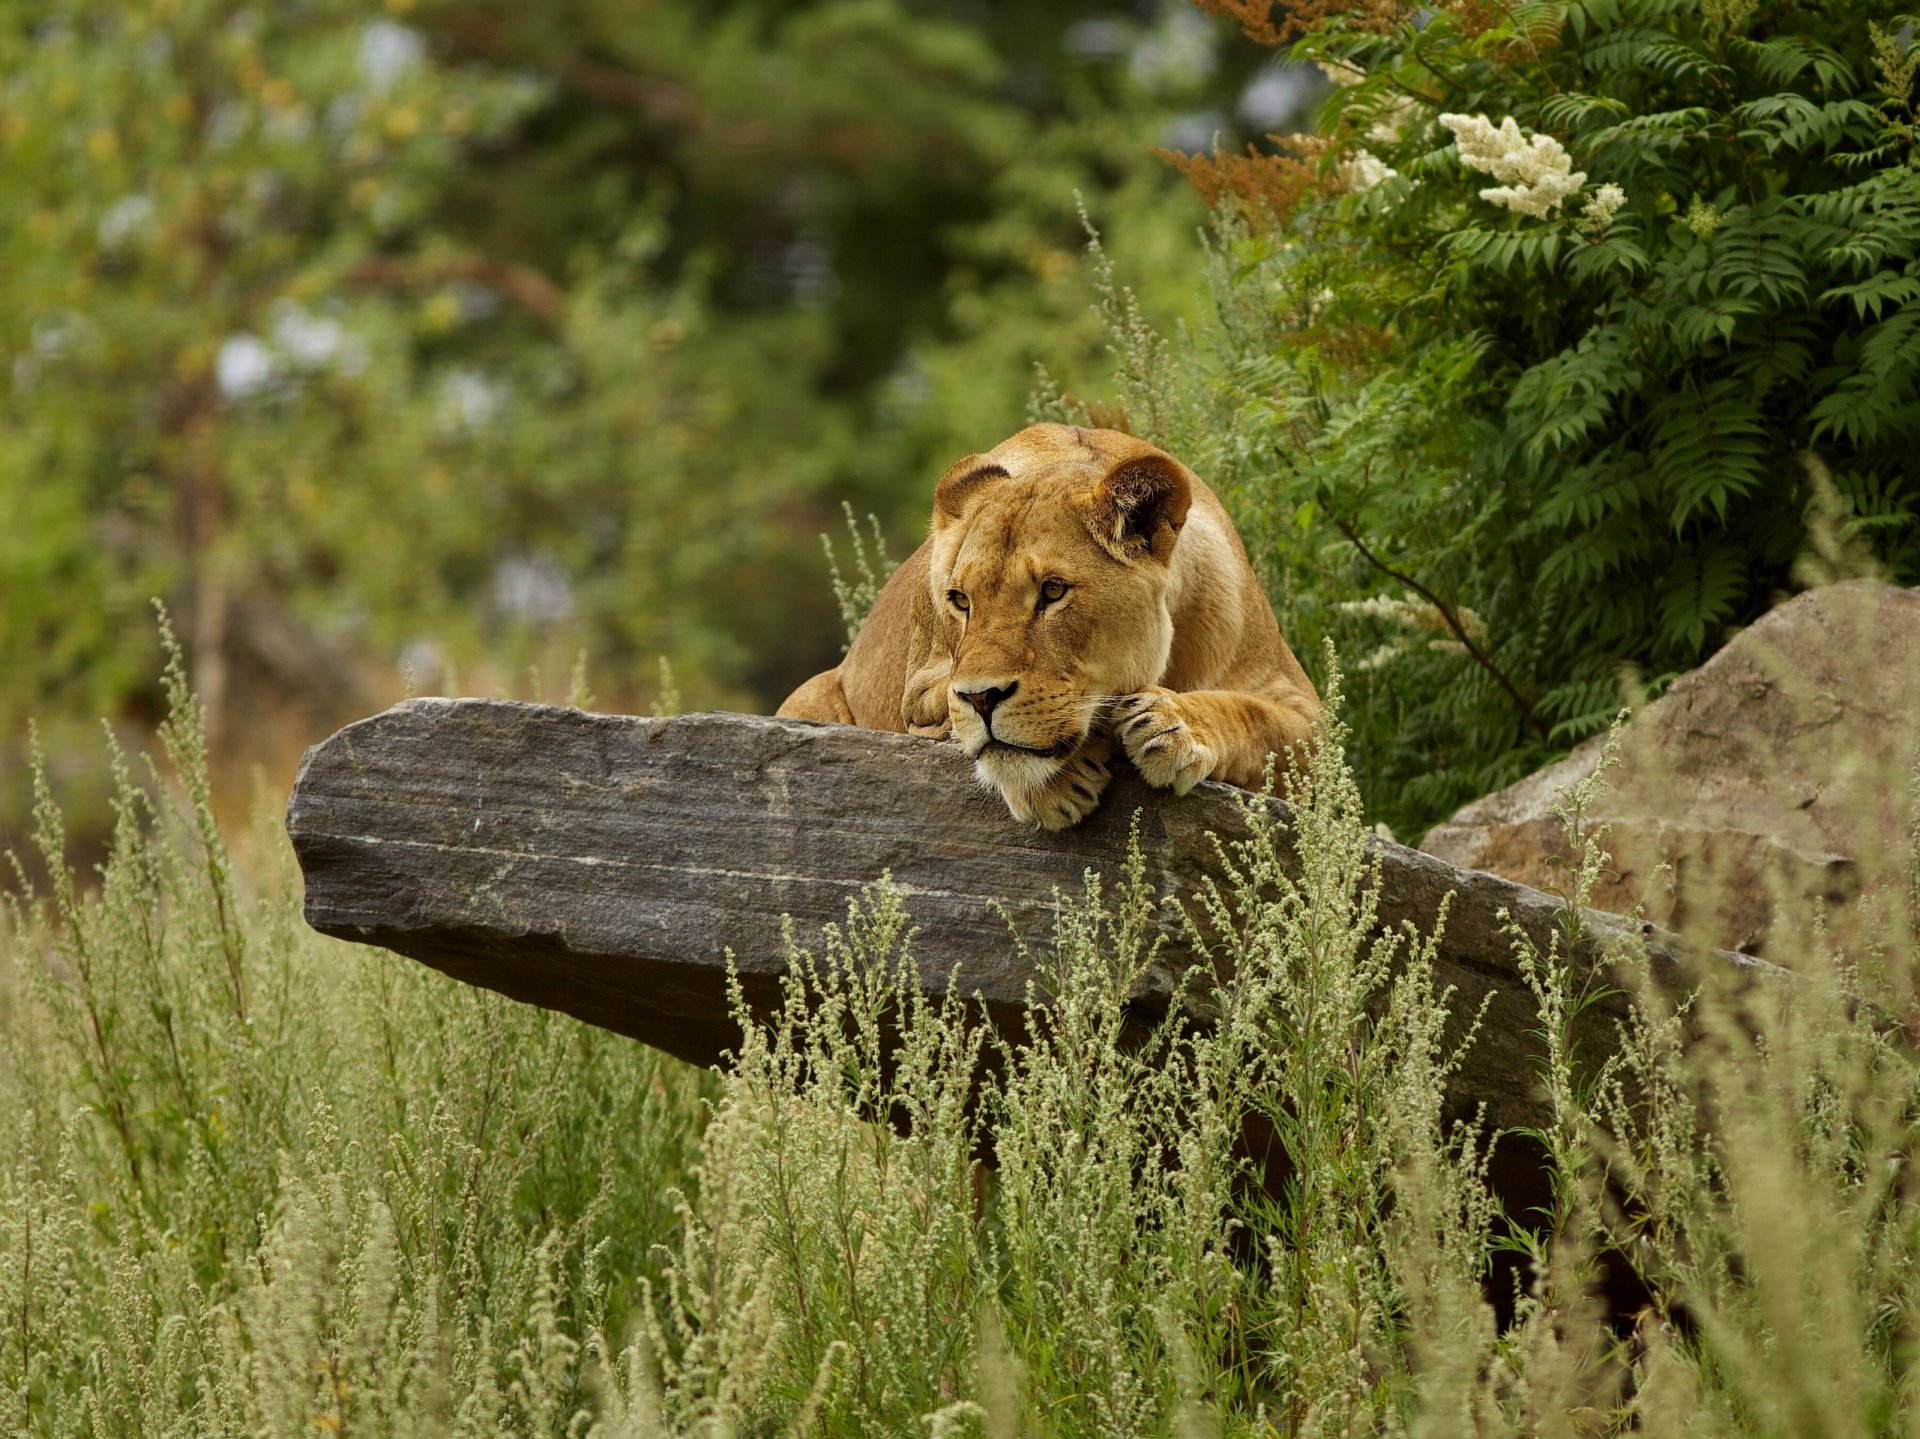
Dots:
(630, 871)
(1781, 769)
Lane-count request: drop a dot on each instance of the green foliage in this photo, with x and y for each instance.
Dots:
(855, 597)
(1585, 420)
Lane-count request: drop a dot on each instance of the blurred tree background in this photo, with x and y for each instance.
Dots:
(455, 341)
(401, 338)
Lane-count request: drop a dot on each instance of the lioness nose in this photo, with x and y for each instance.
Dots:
(986, 700)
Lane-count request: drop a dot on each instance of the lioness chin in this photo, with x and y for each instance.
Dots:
(1082, 595)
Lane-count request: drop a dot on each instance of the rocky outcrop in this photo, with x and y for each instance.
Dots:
(1779, 770)
(608, 866)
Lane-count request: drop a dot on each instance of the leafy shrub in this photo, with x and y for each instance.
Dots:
(1515, 443)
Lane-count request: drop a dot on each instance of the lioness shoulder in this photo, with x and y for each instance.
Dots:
(1081, 594)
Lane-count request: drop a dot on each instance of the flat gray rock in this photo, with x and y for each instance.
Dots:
(605, 865)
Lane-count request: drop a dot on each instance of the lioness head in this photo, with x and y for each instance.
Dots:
(1049, 569)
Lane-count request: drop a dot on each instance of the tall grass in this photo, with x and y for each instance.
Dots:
(254, 1181)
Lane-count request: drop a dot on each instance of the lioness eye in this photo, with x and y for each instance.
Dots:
(1053, 590)
(957, 600)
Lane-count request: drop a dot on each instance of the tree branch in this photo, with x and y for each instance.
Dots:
(522, 284)
(664, 101)
(1453, 623)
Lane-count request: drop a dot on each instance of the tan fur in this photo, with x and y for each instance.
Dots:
(1162, 645)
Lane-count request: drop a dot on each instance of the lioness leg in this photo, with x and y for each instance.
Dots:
(1071, 794)
(924, 703)
(1177, 739)
(820, 698)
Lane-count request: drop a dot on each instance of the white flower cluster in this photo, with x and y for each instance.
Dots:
(1411, 614)
(1362, 171)
(1389, 124)
(1537, 171)
(1390, 120)
(1703, 218)
(302, 344)
(1600, 209)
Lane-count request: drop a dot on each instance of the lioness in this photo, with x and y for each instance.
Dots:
(1080, 592)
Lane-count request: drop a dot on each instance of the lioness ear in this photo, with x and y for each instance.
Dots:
(960, 483)
(1139, 507)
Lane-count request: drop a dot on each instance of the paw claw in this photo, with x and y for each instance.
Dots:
(1066, 799)
(1161, 745)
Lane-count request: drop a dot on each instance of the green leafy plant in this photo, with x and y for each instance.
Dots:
(855, 597)
(1536, 341)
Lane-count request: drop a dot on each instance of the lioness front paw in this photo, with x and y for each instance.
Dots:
(1069, 797)
(1160, 741)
